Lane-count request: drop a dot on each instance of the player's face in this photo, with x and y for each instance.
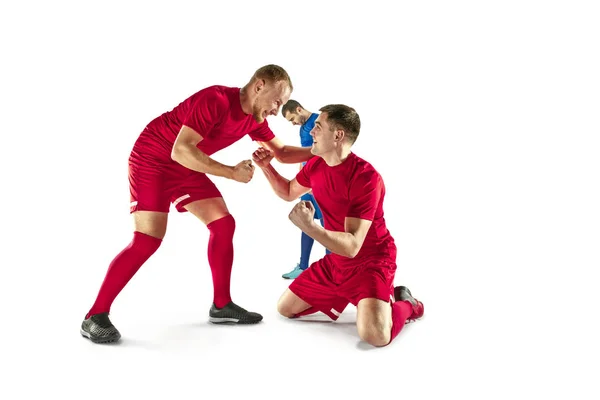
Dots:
(295, 118)
(270, 98)
(323, 136)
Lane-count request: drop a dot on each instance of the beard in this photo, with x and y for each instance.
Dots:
(257, 113)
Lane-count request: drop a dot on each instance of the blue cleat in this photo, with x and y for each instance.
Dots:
(293, 274)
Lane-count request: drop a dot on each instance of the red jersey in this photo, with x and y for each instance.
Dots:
(214, 112)
(352, 189)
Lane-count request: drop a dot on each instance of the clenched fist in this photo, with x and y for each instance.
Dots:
(243, 172)
(262, 157)
(302, 215)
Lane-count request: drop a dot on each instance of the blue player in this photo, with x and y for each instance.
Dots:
(298, 115)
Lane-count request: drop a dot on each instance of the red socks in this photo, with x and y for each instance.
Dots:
(220, 257)
(131, 258)
(122, 268)
(401, 311)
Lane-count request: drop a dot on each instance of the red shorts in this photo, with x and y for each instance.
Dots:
(329, 289)
(154, 185)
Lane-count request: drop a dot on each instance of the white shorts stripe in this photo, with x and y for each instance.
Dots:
(180, 199)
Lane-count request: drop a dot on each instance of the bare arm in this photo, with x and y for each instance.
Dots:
(346, 244)
(365, 193)
(287, 154)
(284, 188)
(187, 154)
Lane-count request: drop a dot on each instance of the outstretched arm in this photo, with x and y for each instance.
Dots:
(287, 154)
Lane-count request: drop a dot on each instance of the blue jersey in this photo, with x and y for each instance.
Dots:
(305, 139)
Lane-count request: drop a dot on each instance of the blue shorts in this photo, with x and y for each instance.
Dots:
(311, 198)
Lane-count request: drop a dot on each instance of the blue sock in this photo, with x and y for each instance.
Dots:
(306, 244)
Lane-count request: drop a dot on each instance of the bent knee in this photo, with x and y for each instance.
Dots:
(285, 308)
(150, 223)
(222, 223)
(377, 335)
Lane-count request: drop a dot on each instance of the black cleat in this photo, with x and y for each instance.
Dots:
(232, 314)
(402, 293)
(99, 329)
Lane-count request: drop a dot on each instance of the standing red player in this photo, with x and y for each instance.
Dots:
(170, 164)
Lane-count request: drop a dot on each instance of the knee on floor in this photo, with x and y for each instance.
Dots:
(285, 309)
(376, 335)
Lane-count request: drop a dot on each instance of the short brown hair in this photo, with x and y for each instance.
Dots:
(273, 73)
(290, 107)
(340, 116)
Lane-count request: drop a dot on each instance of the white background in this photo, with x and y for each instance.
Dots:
(483, 119)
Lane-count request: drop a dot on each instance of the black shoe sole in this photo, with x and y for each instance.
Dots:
(231, 321)
(110, 339)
